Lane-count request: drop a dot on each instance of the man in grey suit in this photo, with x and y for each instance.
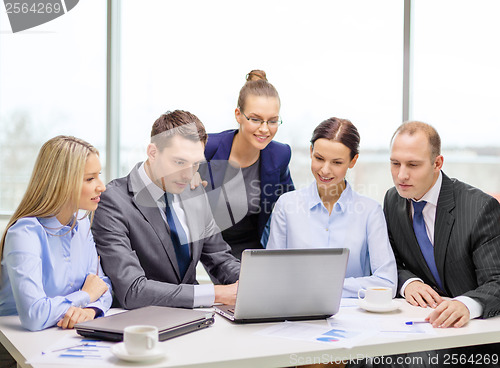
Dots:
(151, 230)
(445, 235)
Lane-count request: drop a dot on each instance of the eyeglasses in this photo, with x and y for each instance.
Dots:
(259, 122)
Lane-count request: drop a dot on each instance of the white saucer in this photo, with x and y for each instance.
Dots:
(120, 351)
(393, 305)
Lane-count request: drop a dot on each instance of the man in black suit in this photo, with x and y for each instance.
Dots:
(445, 235)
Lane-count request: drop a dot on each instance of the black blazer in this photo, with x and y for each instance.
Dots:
(274, 173)
(466, 243)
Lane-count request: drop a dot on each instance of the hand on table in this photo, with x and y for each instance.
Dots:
(450, 313)
(226, 294)
(419, 294)
(75, 315)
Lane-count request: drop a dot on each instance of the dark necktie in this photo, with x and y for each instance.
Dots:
(423, 240)
(179, 237)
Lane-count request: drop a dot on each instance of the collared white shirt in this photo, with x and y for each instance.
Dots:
(204, 295)
(158, 195)
(429, 213)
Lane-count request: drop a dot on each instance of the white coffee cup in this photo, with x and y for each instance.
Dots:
(376, 295)
(140, 339)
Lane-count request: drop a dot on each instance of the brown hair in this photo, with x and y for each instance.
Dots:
(177, 122)
(340, 130)
(412, 127)
(256, 85)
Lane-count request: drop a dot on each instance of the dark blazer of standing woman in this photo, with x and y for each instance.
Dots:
(262, 161)
(275, 176)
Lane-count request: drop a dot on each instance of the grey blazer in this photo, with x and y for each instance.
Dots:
(466, 243)
(137, 253)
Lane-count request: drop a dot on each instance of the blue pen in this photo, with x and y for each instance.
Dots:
(409, 323)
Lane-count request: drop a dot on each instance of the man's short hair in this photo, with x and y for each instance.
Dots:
(412, 127)
(180, 123)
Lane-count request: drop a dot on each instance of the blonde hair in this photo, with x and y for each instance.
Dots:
(56, 180)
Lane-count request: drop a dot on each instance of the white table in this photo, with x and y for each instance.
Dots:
(228, 345)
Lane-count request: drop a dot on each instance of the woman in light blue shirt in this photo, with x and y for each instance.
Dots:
(330, 214)
(50, 272)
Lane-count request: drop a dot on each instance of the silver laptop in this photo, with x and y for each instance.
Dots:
(288, 284)
(171, 322)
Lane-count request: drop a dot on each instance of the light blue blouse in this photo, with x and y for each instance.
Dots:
(43, 269)
(300, 220)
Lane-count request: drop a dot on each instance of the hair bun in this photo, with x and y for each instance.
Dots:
(256, 85)
(255, 75)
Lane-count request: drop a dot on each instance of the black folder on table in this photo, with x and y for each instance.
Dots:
(171, 322)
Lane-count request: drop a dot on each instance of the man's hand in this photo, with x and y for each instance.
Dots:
(196, 181)
(419, 294)
(75, 315)
(226, 294)
(450, 313)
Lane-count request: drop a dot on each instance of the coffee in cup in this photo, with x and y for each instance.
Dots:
(140, 339)
(376, 295)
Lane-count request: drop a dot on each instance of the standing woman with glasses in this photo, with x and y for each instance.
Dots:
(50, 272)
(263, 162)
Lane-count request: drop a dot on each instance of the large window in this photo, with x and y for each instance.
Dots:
(456, 74)
(326, 58)
(52, 81)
